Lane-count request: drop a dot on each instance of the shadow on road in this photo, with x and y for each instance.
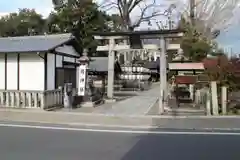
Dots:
(184, 147)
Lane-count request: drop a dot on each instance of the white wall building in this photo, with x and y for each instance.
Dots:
(33, 67)
(36, 62)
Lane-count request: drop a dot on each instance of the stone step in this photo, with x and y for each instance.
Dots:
(172, 113)
(184, 111)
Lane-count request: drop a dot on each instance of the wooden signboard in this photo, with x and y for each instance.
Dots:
(185, 79)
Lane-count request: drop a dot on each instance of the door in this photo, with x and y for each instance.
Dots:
(66, 75)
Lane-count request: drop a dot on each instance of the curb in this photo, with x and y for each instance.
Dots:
(38, 111)
(111, 121)
(149, 127)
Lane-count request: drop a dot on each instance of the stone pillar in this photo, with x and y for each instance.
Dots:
(142, 54)
(197, 97)
(224, 100)
(77, 78)
(150, 56)
(125, 55)
(118, 57)
(155, 56)
(132, 55)
(82, 75)
(163, 64)
(208, 103)
(163, 77)
(191, 90)
(214, 98)
(111, 59)
(84, 83)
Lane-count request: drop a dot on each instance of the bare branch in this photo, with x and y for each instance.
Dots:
(126, 7)
(146, 17)
(213, 15)
(109, 6)
(133, 4)
(160, 25)
(120, 8)
(120, 3)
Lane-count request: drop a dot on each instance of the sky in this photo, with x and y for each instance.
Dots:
(229, 39)
(43, 7)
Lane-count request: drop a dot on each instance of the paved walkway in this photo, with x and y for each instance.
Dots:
(136, 105)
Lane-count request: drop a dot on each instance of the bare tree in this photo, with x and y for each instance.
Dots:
(211, 16)
(148, 9)
(131, 12)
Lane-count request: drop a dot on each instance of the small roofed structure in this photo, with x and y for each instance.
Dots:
(186, 74)
(184, 71)
(98, 67)
(186, 66)
(36, 66)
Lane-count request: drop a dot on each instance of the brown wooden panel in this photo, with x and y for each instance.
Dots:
(65, 75)
(70, 76)
(59, 77)
(186, 79)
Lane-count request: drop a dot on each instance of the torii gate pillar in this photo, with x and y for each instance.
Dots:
(111, 59)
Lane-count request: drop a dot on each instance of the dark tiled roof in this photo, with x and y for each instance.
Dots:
(67, 49)
(152, 65)
(32, 43)
(99, 64)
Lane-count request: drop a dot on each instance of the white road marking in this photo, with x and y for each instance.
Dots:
(121, 131)
(150, 107)
(88, 124)
(111, 126)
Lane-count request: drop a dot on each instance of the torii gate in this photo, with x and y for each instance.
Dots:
(150, 34)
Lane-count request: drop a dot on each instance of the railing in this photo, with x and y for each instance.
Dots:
(53, 98)
(201, 96)
(30, 99)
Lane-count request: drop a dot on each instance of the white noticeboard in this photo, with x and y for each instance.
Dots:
(82, 80)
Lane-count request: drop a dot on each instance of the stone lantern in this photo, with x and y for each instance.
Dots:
(84, 88)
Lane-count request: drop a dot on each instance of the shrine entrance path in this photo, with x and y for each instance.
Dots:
(140, 104)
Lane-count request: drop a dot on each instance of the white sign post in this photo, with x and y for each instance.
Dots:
(82, 80)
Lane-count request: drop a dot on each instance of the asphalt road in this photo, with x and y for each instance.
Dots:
(17, 143)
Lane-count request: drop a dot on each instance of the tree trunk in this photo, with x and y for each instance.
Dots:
(135, 40)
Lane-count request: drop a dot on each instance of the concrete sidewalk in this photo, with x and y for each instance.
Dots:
(136, 105)
(195, 122)
(71, 118)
